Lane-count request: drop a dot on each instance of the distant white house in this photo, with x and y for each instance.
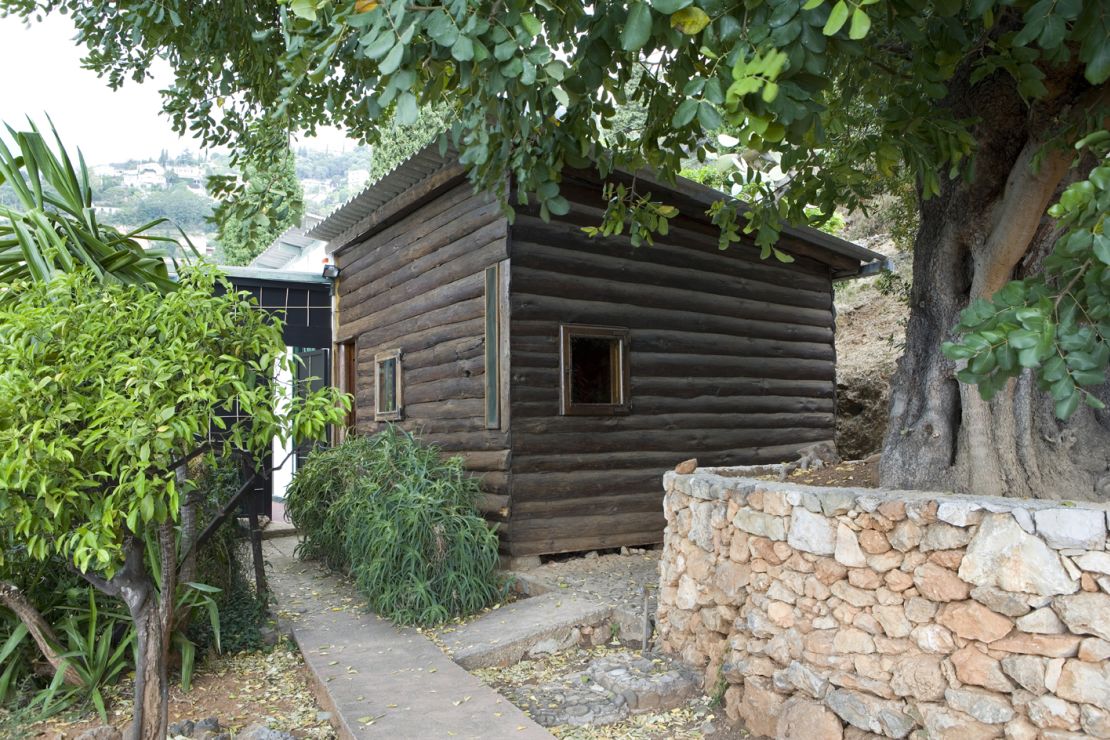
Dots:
(357, 179)
(146, 175)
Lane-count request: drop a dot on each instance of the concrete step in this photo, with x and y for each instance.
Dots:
(379, 680)
(542, 624)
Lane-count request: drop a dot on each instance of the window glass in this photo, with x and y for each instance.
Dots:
(595, 372)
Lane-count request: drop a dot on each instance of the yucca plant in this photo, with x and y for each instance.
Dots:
(55, 226)
(403, 521)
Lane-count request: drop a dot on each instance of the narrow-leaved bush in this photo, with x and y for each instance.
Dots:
(402, 521)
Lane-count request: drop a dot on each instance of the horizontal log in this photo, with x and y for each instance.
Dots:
(423, 246)
(596, 288)
(375, 249)
(584, 483)
(710, 274)
(649, 365)
(588, 208)
(442, 390)
(494, 505)
(464, 367)
(458, 408)
(529, 307)
(484, 461)
(684, 246)
(701, 409)
(660, 461)
(610, 505)
(579, 526)
(416, 194)
(684, 342)
(408, 333)
(445, 296)
(657, 423)
(369, 247)
(692, 440)
(551, 546)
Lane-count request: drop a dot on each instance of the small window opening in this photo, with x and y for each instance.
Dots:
(387, 385)
(595, 373)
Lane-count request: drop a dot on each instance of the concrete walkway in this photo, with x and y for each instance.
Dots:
(381, 681)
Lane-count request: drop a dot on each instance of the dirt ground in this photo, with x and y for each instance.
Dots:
(870, 336)
(240, 690)
(851, 474)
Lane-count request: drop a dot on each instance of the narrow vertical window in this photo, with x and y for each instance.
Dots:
(387, 385)
(348, 382)
(595, 372)
(493, 348)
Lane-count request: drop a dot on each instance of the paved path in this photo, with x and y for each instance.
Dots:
(379, 680)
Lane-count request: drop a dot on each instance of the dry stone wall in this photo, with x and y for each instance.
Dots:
(835, 612)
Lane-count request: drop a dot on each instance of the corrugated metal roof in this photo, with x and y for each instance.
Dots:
(288, 245)
(339, 228)
(416, 168)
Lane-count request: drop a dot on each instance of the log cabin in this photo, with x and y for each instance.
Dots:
(570, 372)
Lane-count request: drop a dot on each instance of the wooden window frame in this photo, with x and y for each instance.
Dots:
(394, 414)
(348, 383)
(492, 380)
(623, 376)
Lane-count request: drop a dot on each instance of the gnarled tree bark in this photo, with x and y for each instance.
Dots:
(973, 238)
(39, 629)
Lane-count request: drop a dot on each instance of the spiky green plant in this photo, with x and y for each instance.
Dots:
(403, 522)
(55, 226)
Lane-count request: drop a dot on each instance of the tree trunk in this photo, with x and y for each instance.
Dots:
(151, 612)
(39, 629)
(150, 717)
(974, 237)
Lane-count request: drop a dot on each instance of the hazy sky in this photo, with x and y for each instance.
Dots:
(42, 74)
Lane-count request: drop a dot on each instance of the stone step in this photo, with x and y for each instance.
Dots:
(542, 624)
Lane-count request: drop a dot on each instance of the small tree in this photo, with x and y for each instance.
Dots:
(105, 392)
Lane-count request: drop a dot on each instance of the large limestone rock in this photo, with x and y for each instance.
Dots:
(919, 676)
(1003, 555)
(944, 723)
(1083, 529)
(987, 707)
(978, 669)
(760, 707)
(973, 621)
(1027, 670)
(760, 524)
(1085, 613)
(869, 713)
(803, 719)
(1085, 683)
(848, 551)
(811, 533)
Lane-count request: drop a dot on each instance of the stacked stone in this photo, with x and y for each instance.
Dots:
(835, 612)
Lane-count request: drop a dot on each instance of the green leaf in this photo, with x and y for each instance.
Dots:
(811, 4)
(463, 49)
(837, 18)
(531, 24)
(861, 24)
(304, 9)
(690, 21)
(1066, 406)
(666, 7)
(685, 113)
(392, 60)
(637, 27)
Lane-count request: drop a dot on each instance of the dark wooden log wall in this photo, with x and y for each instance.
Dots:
(732, 362)
(418, 285)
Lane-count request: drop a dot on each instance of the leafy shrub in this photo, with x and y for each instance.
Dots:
(402, 521)
(223, 562)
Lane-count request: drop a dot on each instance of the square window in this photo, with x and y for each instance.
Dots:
(387, 385)
(595, 372)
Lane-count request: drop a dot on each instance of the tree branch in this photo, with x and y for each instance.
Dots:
(39, 629)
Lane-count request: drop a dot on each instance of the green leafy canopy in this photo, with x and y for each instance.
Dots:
(105, 389)
(837, 89)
